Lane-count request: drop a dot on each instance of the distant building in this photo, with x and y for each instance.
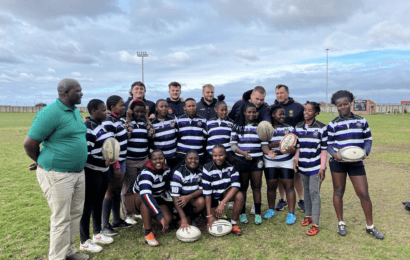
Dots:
(40, 105)
(363, 107)
(407, 103)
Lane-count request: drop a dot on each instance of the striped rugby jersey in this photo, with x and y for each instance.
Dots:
(216, 181)
(191, 134)
(137, 148)
(151, 185)
(219, 132)
(249, 141)
(96, 135)
(165, 137)
(185, 181)
(115, 125)
(312, 140)
(351, 131)
(279, 132)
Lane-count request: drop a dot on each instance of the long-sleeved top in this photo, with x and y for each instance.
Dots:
(185, 181)
(115, 125)
(151, 184)
(312, 140)
(248, 141)
(149, 105)
(138, 145)
(262, 111)
(166, 136)
(96, 135)
(191, 134)
(218, 132)
(205, 110)
(279, 132)
(216, 180)
(293, 111)
(176, 108)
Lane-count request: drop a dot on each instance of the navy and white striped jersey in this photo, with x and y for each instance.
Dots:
(151, 185)
(249, 141)
(279, 132)
(215, 180)
(165, 137)
(219, 132)
(137, 148)
(96, 135)
(185, 181)
(191, 134)
(351, 131)
(312, 140)
(115, 125)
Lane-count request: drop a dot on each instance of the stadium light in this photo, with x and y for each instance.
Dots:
(327, 74)
(142, 54)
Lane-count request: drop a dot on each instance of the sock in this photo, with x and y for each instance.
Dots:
(342, 223)
(116, 203)
(370, 227)
(258, 208)
(243, 209)
(106, 210)
(233, 222)
(147, 231)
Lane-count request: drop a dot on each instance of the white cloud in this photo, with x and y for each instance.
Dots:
(126, 57)
(179, 58)
(247, 54)
(50, 70)
(76, 74)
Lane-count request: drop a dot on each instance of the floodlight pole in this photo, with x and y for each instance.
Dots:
(327, 74)
(142, 55)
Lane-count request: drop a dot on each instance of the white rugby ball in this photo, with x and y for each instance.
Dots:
(220, 228)
(190, 234)
(352, 154)
(111, 149)
(287, 141)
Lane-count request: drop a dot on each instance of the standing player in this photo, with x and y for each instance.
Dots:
(247, 147)
(310, 160)
(279, 166)
(138, 91)
(175, 103)
(346, 130)
(165, 137)
(206, 106)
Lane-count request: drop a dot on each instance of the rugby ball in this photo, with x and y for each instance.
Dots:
(220, 228)
(111, 149)
(287, 141)
(265, 131)
(190, 234)
(352, 154)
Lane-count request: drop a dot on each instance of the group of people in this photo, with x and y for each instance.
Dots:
(181, 159)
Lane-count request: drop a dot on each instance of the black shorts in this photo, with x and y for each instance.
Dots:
(279, 173)
(215, 202)
(353, 169)
(254, 165)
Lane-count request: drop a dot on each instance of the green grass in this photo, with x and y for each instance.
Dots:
(24, 214)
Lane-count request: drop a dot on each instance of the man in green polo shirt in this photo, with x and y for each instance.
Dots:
(60, 163)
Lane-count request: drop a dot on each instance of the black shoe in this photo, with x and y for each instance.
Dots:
(406, 205)
(301, 205)
(341, 229)
(281, 204)
(376, 233)
(109, 231)
(121, 224)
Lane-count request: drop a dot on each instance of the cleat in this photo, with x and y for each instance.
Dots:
(90, 246)
(102, 239)
(131, 221)
(230, 205)
(258, 219)
(307, 221)
(301, 205)
(108, 230)
(281, 205)
(270, 213)
(341, 228)
(243, 219)
(122, 224)
(313, 230)
(376, 233)
(150, 240)
(290, 219)
(252, 212)
(236, 230)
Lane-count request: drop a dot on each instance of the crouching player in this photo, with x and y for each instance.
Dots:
(186, 189)
(220, 182)
(148, 189)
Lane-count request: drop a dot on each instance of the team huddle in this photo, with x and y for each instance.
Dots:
(181, 160)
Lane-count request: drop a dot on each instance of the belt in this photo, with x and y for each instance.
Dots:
(39, 166)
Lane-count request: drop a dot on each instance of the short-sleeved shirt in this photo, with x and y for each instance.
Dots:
(216, 180)
(62, 133)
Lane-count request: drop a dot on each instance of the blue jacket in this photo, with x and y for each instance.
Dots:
(293, 112)
(263, 110)
(176, 108)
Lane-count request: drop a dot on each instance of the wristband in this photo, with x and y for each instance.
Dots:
(117, 165)
(209, 216)
(223, 203)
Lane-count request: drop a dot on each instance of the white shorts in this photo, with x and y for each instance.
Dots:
(279, 164)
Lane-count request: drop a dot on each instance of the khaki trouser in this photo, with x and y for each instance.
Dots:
(65, 193)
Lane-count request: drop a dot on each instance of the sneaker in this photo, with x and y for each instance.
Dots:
(150, 239)
(306, 221)
(243, 219)
(90, 246)
(108, 230)
(291, 219)
(230, 205)
(281, 204)
(121, 224)
(138, 216)
(236, 230)
(78, 256)
(131, 221)
(313, 230)
(341, 228)
(252, 212)
(258, 219)
(223, 215)
(102, 239)
(301, 205)
(406, 205)
(376, 233)
(270, 213)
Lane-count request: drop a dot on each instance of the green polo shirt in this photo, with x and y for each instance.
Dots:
(61, 131)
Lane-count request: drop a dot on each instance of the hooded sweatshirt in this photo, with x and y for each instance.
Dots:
(205, 110)
(293, 112)
(262, 111)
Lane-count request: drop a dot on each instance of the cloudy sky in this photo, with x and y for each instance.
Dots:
(232, 44)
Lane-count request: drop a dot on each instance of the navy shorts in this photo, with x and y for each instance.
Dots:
(353, 169)
(254, 165)
(276, 173)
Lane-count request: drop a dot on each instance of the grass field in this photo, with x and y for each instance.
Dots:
(24, 214)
